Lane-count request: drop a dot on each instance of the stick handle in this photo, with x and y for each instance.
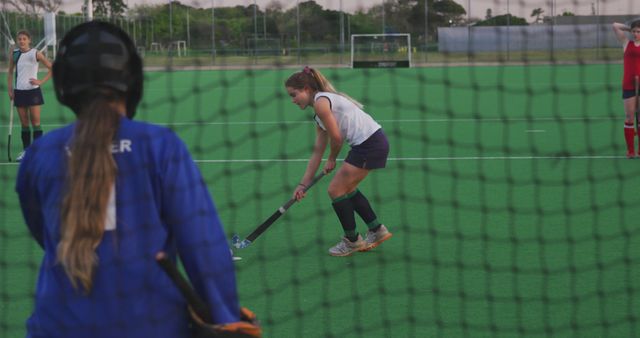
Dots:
(314, 180)
(195, 302)
(290, 202)
(266, 224)
(10, 117)
(10, 130)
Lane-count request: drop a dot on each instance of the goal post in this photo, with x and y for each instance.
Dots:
(263, 46)
(381, 50)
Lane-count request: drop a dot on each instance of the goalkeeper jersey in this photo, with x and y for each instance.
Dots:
(161, 203)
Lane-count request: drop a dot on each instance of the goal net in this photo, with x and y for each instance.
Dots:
(380, 50)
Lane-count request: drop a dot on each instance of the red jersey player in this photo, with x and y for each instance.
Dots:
(630, 79)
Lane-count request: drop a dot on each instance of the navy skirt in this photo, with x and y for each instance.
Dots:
(370, 154)
(28, 98)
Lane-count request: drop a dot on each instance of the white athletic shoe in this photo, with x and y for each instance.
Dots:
(345, 247)
(375, 238)
(20, 156)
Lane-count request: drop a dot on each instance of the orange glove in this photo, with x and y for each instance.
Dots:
(247, 327)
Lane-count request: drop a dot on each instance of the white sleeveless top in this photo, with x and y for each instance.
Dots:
(355, 125)
(26, 68)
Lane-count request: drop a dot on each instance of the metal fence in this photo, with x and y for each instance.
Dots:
(195, 40)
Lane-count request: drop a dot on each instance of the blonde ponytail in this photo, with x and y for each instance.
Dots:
(312, 78)
(90, 177)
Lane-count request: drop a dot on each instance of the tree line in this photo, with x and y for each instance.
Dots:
(241, 26)
(308, 24)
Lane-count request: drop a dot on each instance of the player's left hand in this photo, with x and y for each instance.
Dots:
(329, 166)
(35, 82)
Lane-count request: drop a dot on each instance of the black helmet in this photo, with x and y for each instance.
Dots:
(93, 55)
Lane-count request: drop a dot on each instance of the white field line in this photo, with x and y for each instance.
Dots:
(437, 120)
(415, 159)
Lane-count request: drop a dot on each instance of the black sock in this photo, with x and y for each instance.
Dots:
(344, 210)
(363, 208)
(26, 137)
(37, 132)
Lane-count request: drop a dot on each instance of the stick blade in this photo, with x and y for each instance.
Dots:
(235, 240)
(239, 244)
(245, 243)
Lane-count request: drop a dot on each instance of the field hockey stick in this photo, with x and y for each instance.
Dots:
(10, 130)
(195, 302)
(266, 224)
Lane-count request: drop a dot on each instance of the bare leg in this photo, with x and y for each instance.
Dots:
(630, 110)
(23, 112)
(346, 180)
(34, 114)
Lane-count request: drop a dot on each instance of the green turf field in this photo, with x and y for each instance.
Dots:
(507, 190)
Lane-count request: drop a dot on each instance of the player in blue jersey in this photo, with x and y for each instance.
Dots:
(27, 95)
(105, 194)
(340, 119)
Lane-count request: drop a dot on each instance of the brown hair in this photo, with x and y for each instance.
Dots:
(314, 80)
(25, 33)
(91, 174)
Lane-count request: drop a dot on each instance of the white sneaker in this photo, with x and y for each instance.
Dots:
(375, 238)
(20, 156)
(346, 247)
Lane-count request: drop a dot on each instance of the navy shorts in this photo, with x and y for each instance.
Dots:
(370, 154)
(28, 98)
(627, 94)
